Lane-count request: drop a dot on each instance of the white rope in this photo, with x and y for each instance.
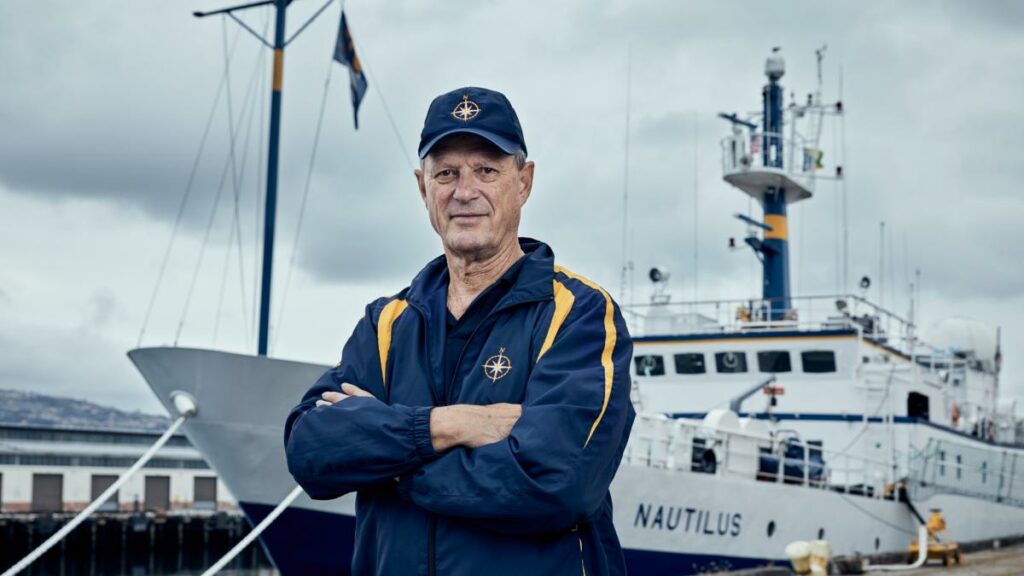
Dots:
(67, 528)
(256, 531)
(922, 556)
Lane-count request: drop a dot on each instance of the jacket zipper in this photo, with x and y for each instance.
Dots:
(431, 547)
(432, 535)
(583, 564)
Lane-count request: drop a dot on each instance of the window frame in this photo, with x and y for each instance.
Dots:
(820, 351)
(742, 354)
(703, 363)
(787, 354)
(659, 364)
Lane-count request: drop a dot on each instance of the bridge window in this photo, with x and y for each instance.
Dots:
(730, 362)
(649, 365)
(690, 363)
(818, 361)
(774, 361)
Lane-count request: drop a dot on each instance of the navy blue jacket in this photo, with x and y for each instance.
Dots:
(534, 503)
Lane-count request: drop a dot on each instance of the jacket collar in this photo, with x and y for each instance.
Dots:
(429, 287)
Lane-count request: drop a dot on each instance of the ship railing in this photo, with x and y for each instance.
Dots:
(689, 446)
(748, 150)
(993, 473)
(820, 312)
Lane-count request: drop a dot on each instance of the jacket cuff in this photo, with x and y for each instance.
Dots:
(421, 433)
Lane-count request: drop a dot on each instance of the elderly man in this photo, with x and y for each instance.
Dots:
(481, 413)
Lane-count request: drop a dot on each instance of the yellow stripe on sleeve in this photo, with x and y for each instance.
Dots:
(609, 345)
(388, 315)
(563, 305)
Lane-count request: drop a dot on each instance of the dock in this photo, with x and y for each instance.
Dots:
(1000, 558)
(990, 562)
(126, 543)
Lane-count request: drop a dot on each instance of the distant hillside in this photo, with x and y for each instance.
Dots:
(31, 409)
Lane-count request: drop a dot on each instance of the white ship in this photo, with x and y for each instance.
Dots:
(762, 421)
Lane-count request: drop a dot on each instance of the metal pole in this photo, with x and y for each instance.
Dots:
(272, 156)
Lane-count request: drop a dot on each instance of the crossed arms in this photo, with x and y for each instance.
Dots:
(541, 466)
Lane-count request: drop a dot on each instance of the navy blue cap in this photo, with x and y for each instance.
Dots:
(470, 110)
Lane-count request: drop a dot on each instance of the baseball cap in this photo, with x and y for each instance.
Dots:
(471, 110)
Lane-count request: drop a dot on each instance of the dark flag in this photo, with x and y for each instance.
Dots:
(345, 52)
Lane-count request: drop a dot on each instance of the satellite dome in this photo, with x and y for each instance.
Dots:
(965, 335)
(775, 66)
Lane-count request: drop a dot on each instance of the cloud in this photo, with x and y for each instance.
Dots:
(103, 118)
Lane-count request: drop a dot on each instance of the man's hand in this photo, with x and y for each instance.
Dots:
(347, 391)
(466, 425)
(470, 425)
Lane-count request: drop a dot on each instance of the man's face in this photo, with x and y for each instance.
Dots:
(474, 194)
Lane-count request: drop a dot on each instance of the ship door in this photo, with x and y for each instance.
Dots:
(158, 492)
(917, 405)
(47, 492)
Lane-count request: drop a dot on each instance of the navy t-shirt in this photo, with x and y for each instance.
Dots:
(460, 331)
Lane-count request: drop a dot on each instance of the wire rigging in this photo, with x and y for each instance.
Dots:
(209, 224)
(184, 199)
(302, 205)
(236, 231)
(387, 109)
(235, 179)
(309, 174)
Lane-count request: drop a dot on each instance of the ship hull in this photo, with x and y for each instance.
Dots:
(668, 522)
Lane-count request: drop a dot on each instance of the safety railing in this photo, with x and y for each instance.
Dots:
(991, 473)
(745, 150)
(688, 446)
(828, 311)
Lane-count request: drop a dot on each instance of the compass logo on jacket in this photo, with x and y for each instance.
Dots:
(498, 366)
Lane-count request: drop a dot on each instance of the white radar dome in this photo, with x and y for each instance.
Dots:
(775, 66)
(961, 334)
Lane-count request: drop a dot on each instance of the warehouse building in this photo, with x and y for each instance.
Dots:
(56, 469)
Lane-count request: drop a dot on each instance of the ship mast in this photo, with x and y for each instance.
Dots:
(273, 149)
(776, 171)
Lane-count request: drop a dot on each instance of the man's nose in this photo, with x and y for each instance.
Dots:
(465, 189)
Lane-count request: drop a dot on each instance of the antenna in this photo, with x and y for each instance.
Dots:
(842, 181)
(819, 54)
(917, 296)
(998, 359)
(696, 221)
(626, 264)
(881, 263)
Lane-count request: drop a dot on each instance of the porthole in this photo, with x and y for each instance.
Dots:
(771, 528)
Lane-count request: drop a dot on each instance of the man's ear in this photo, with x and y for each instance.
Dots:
(525, 182)
(421, 183)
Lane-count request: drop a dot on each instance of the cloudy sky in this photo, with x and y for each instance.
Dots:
(104, 106)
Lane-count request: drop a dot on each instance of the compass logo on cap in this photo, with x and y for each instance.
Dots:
(466, 110)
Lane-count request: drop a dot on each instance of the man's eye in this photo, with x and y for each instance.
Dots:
(448, 173)
(487, 170)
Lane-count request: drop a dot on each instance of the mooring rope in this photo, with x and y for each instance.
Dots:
(256, 531)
